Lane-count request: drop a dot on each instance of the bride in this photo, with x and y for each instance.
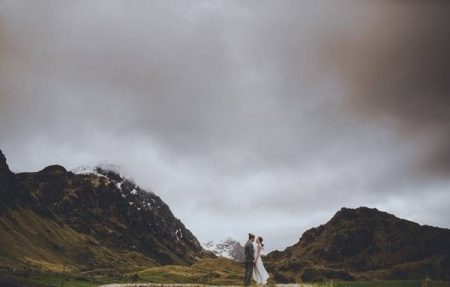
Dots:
(260, 274)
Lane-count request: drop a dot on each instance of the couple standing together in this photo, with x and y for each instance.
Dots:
(254, 266)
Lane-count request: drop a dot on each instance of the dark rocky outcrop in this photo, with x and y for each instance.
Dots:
(7, 182)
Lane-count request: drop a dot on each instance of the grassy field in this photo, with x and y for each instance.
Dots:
(393, 283)
(217, 272)
(207, 271)
(226, 272)
(171, 276)
(54, 280)
(51, 279)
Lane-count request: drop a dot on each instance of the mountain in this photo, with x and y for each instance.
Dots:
(364, 243)
(55, 219)
(228, 248)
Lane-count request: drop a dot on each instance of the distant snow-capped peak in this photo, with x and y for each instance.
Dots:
(228, 248)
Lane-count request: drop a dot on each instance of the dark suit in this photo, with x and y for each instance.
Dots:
(249, 256)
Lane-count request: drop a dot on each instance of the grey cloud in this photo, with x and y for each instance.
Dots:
(267, 116)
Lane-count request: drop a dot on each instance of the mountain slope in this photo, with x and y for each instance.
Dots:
(54, 217)
(365, 243)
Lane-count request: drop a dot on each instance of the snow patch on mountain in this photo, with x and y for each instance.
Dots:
(101, 169)
(125, 185)
(87, 170)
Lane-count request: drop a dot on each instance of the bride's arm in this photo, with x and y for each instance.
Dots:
(258, 252)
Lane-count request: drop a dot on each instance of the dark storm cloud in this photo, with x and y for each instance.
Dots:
(399, 70)
(276, 112)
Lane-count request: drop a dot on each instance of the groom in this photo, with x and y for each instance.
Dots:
(249, 259)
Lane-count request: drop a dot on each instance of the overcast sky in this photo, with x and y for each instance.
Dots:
(250, 116)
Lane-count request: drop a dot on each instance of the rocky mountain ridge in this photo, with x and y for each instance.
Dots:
(365, 243)
(88, 220)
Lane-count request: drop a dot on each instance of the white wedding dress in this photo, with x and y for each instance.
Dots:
(260, 274)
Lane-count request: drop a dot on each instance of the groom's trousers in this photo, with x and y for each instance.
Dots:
(248, 273)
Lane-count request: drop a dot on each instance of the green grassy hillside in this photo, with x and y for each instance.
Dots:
(28, 240)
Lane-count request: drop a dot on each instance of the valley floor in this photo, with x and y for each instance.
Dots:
(204, 273)
(405, 283)
(342, 284)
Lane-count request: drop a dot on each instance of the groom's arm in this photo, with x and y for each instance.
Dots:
(248, 253)
(252, 250)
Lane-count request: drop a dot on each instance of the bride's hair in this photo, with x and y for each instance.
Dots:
(260, 239)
